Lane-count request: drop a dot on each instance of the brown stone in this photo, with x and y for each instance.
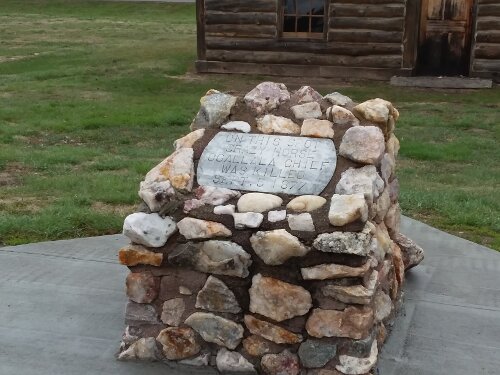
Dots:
(180, 282)
(178, 343)
(132, 255)
(257, 346)
(412, 253)
(399, 267)
(142, 287)
(381, 333)
(353, 322)
(281, 364)
(277, 299)
(271, 331)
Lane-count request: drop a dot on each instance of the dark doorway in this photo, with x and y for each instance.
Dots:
(445, 37)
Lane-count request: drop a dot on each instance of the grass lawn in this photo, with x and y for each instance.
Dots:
(92, 95)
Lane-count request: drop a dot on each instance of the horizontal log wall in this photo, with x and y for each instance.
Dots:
(486, 50)
(360, 34)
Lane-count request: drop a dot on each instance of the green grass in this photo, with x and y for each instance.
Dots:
(92, 95)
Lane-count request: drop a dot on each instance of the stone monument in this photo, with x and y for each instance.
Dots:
(268, 241)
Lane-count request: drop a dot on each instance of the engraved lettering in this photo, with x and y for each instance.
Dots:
(267, 163)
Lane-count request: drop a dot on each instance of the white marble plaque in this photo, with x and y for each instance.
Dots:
(268, 163)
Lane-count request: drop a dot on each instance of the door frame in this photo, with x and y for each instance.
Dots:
(470, 37)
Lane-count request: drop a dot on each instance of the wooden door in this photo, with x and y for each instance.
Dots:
(445, 37)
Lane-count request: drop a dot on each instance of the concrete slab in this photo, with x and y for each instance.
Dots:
(62, 303)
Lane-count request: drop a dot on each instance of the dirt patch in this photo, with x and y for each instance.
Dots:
(6, 59)
(117, 209)
(96, 95)
(11, 174)
(24, 204)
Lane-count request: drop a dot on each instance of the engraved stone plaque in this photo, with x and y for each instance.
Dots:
(268, 163)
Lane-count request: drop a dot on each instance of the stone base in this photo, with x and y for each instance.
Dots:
(227, 275)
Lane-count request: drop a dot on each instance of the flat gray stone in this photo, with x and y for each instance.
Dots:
(268, 163)
(213, 256)
(216, 329)
(216, 296)
(316, 353)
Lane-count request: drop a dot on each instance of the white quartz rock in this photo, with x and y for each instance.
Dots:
(363, 144)
(361, 180)
(214, 110)
(228, 209)
(270, 124)
(192, 228)
(307, 94)
(341, 116)
(356, 243)
(307, 110)
(156, 193)
(382, 306)
(338, 99)
(213, 256)
(233, 362)
(301, 222)
(215, 195)
(357, 366)
(148, 229)
(241, 126)
(352, 294)
(306, 203)
(275, 216)
(201, 360)
(210, 195)
(277, 299)
(381, 205)
(247, 220)
(345, 209)
(317, 128)
(178, 169)
(277, 246)
(333, 271)
(376, 110)
(189, 140)
(258, 202)
(143, 349)
(267, 96)
(387, 167)
(392, 146)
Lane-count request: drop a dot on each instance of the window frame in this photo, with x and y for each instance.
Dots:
(322, 36)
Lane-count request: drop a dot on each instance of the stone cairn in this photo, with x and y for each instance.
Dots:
(268, 241)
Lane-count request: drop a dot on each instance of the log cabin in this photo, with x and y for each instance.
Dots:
(370, 39)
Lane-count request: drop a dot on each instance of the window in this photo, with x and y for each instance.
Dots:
(303, 18)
